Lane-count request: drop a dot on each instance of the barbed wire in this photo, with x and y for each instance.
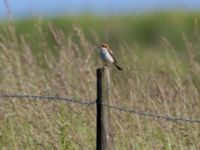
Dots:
(92, 102)
(53, 98)
(154, 114)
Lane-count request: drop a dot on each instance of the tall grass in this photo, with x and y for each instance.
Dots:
(56, 63)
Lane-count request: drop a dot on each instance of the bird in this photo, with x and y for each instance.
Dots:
(107, 56)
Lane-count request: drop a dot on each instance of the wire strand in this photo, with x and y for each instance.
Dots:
(154, 115)
(48, 98)
(92, 102)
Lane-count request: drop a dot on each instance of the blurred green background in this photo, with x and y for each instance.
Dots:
(141, 30)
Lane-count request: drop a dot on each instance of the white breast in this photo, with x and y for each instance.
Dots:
(105, 55)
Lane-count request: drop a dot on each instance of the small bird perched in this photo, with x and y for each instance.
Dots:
(106, 55)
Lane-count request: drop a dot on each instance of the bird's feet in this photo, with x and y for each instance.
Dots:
(103, 68)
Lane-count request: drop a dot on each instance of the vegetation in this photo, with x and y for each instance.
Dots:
(159, 54)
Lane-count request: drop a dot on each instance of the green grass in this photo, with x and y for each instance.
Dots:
(58, 56)
(134, 29)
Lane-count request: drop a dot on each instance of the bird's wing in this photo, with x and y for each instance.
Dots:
(111, 53)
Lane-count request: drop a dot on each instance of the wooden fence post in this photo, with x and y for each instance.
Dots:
(104, 138)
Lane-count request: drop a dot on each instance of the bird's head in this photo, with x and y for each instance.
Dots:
(104, 45)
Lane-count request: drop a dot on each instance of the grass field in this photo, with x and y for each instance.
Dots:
(58, 56)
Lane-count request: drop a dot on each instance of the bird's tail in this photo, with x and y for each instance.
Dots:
(118, 67)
